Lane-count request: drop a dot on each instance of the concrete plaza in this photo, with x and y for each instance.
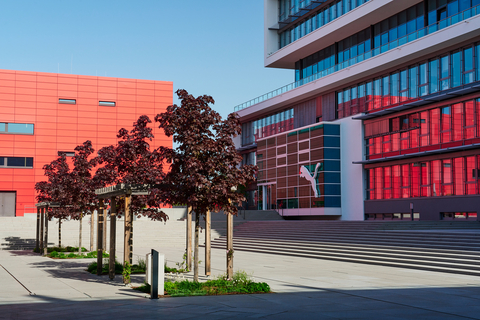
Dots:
(34, 287)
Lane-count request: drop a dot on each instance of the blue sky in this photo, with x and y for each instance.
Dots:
(212, 47)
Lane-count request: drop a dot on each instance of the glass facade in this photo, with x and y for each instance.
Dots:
(387, 35)
(304, 26)
(300, 169)
(430, 129)
(446, 71)
(267, 126)
(444, 177)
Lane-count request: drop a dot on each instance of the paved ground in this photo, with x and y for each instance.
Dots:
(33, 287)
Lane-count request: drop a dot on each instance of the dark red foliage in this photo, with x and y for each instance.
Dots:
(205, 166)
(132, 162)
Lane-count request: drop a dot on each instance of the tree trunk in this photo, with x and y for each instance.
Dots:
(197, 234)
(229, 245)
(80, 235)
(37, 239)
(113, 225)
(60, 232)
(45, 249)
(100, 226)
(42, 215)
(189, 239)
(105, 215)
(208, 249)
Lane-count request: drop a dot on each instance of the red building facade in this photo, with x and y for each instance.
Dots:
(43, 114)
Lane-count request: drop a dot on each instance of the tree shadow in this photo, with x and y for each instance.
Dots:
(17, 243)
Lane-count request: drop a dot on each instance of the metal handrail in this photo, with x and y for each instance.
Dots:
(462, 16)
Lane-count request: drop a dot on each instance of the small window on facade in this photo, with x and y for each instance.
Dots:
(106, 103)
(16, 128)
(67, 101)
(16, 162)
(66, 153)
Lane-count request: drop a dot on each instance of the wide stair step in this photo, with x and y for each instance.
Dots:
(433, 246)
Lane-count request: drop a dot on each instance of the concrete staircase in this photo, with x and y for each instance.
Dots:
(435, 246)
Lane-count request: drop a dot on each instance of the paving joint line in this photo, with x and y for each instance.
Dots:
(369, 298)
(29, 292)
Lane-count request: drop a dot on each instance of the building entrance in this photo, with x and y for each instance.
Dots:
(7, 204)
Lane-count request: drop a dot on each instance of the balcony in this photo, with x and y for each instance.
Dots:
(440, 42)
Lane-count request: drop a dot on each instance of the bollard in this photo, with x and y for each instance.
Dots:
(155, 273)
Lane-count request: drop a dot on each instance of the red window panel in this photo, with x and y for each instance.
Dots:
(457, 125)
(424, 136)
(378, 183)
(469, 131)
(415, 175)
(387, 176)
(425, 189)
(446, 124)
(396, 181)
(405, 189)
(447, 177)
(459, 175)
(471, 175)
(435, 126)
(436, 177)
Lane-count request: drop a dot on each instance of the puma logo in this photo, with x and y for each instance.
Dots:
(305, 173)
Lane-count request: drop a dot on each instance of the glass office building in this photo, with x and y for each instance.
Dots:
(400, 79)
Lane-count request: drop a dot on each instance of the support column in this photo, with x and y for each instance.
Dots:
(208, 249)
(37, 241)
(45, 246)
(60, 232)
(113, 226)
(92, 229)
(229, 246)
(100, 237)
(128, 243)
(105, 215)
(189, 239)
(41, 228)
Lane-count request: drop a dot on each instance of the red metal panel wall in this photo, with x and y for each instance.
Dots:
(32, 97)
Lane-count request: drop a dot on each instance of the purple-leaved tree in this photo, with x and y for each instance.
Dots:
(204, 168)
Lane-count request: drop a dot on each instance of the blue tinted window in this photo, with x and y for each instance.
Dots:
(15, 162)
(331, 130)
(2, 127)
(20, 128)
(2, 161)
(333, 202)
(331, 177)
(329, 153)
(332, 189)
(18, 162)
(331, 165)
(331, 141)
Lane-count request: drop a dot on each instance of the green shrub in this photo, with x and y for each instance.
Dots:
(54, 254)
(71, 255)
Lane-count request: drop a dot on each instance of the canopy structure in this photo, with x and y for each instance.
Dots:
(41, 239)
(111, 192)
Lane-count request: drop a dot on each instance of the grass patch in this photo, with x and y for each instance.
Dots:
(61, 249)
(135, 269)
(73, 255)
(240, 283)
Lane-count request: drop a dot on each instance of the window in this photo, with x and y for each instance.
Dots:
(16, 162)
(66, 153)
(16, 128)
(107, 103)
(67, 101)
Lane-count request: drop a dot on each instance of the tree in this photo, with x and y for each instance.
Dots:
(83, 198)
(132, 162)
(204, 169)
(56, 189)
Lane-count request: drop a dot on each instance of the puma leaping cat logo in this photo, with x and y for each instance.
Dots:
(305, 173)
